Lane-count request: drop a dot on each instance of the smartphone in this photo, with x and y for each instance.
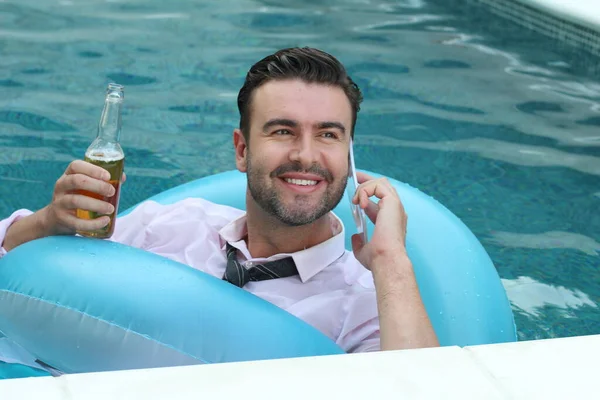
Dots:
(360, 219)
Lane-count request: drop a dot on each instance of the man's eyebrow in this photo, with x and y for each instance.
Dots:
(279, 122)
(332, 124)
(294, 124)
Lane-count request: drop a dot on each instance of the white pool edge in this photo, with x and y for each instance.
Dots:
(582, 12)
(542, 369)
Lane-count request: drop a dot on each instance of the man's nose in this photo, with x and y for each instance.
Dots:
(304, 152)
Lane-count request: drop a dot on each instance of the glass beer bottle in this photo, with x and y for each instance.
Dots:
(106, 152)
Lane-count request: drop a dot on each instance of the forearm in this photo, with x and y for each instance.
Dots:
(24, 230)
(403, 320)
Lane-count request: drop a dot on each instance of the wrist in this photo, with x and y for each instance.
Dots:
(392, 267)
(23, 229)
(41, 225)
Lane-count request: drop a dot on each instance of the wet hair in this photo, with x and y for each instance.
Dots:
(307, 64)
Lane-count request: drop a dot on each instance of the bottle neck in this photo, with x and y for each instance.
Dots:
(109, 128)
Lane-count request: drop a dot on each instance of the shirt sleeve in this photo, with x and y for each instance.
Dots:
(6, 223)
(129, 230)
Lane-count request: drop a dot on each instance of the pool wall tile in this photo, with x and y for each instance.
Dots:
(575, 23)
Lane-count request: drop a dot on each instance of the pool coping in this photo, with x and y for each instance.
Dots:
(544, 369)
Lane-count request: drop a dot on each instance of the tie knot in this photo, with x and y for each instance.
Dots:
(239, 275)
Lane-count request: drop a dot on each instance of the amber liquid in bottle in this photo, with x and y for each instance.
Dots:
(115, 167)
(106, 152)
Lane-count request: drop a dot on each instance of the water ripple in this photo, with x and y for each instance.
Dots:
(534, 107)
(513, 153)
(33, 121)
(591, 121)
(90, 54)
(446, 64)
(10, 83)
(130, 79)
(18, 154)
(398, 23)
(531, 296)
(546, 240)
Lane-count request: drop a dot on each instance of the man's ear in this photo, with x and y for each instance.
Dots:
(241, 150)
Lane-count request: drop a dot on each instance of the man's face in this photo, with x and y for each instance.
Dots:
(296, 157)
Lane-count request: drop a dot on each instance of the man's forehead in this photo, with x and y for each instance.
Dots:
(295, 97)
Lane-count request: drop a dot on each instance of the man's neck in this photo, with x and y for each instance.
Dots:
(268, 236)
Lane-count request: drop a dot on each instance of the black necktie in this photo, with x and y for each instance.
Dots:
(238, 275)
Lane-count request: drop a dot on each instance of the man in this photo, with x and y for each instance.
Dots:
(298, 110)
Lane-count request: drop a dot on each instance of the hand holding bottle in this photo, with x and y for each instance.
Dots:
(82, 186)
(59, 217)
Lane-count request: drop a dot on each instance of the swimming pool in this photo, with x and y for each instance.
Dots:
(499, 124)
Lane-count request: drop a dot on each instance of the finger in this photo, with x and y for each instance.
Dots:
(362, 177)
(123, 178)
(79, 224)
(378, 188)
(75, 182)
(360, 194)
(86, 168)
(371, 210)
(363, 198)
(359, 197)
(77, 201)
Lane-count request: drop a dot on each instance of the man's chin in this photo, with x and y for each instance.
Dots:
(301, 218)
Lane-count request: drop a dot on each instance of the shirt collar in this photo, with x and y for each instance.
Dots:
(309, 262)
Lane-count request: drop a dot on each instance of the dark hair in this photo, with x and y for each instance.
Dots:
(308, 64)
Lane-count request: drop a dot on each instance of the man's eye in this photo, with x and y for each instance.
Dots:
(282, 132)
(329, 135)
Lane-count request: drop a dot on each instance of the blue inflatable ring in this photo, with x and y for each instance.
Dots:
(83, 305)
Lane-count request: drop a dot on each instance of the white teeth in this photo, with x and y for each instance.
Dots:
(301, 182)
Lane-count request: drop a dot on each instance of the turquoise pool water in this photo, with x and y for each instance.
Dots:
(499, 124)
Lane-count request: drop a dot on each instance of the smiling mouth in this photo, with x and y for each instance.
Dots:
(301, 182)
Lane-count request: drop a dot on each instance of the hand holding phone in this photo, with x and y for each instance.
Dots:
(357, 213)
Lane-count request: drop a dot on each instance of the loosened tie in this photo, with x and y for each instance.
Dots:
(238, 275)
